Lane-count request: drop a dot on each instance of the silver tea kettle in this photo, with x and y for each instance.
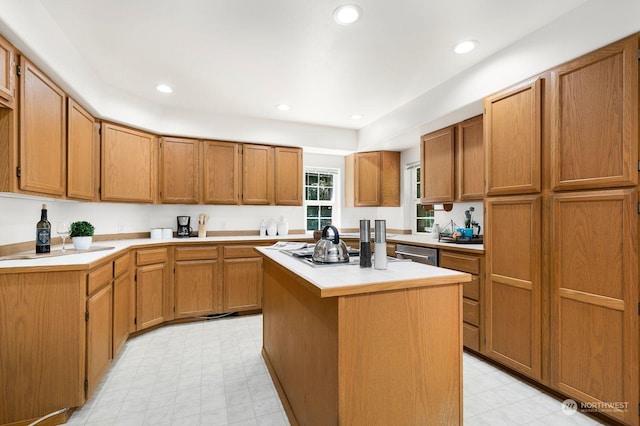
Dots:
(330, 249)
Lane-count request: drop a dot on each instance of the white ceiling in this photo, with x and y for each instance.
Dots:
(243, 57)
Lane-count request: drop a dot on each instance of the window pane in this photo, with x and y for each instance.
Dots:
(324, 222)
(420, 212)
(312, 211)
(312, 178)
(326, 194)
(326, 211)
(312, 194)
(312, 224)
(421, 224)
(326, 180)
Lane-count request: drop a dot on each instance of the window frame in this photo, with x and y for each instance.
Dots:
(334, 203)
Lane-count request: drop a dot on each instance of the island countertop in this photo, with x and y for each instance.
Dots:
(350, 279)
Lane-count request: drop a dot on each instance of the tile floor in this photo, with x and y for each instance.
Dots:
(211, 373)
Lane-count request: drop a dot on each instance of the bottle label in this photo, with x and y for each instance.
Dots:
(43, 236)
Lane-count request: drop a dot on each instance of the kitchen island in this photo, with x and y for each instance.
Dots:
(349, 345)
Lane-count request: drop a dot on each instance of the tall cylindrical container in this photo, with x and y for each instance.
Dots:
(380, 241)
(365, 243)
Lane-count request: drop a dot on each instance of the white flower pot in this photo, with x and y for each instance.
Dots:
(82, 243)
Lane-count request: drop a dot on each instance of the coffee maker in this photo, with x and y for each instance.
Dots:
(184, 227)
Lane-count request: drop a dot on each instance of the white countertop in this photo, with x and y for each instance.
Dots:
(344, 279)
(82, 260)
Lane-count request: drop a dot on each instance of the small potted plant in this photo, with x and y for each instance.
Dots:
(81, 234)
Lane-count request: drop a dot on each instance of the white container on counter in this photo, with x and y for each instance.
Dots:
(167, 233)
(272, 228)
(156, 233)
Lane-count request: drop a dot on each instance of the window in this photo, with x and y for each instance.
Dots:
(423, 220)
(320, 187)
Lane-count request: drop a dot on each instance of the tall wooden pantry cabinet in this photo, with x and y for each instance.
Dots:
(562, 207)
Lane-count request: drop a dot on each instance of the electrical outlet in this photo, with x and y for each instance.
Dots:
(121, 228)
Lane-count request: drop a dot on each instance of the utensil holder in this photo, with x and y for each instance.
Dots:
(202, 231)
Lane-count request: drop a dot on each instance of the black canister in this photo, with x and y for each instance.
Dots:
(365, 244)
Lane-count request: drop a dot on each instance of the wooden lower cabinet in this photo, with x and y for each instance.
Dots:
(122, 318)
(99, 334)
(152, 287)
(473, 327)
(197, 283)
(42, 349)
(594, 284)
(513, 288)
(242, 278)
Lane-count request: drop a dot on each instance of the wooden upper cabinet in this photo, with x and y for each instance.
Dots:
(43, 122)
(82, 153)
(469, 160)
(437, 160)
(179, 170)
(7, 73)
(372, 179)
(129, 165)
(257, 174)
(288, 176)
(221, 172)
(512, 126)
(594, 119)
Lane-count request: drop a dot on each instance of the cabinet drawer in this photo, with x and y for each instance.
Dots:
(471, 311)
(121, 266)
(98, 278)
(196, 253)
(471, 289)
(471, 337)
(240, 251)
(460, 262)
(149, 256)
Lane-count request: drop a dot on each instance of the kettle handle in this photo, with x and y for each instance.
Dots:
(336, 237)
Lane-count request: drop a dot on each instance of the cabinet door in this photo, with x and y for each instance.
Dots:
(42, 133)
(179, 171)
(150, 295)
(437, 165)
(594, 281)
(121, 311)
(367, 172)
(197, 287)
(470, 160)
(257, 174)
(82, 153)
(129, 165)
(7, 73)
(221, 172)
(390, 179)
(594, 119)
(242, 282)
(288, 176)
(513, 292)
(99, 349)
(512, 124)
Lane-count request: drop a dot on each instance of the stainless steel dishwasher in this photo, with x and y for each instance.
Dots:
(418, 254)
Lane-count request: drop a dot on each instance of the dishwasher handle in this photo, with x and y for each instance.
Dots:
(431, 260)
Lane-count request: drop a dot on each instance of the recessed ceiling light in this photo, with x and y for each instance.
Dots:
(356, 117)
(283, 107)
(347, 14)
(465, 46)
(164, 88)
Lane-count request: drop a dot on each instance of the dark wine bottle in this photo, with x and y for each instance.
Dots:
(43, 232)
